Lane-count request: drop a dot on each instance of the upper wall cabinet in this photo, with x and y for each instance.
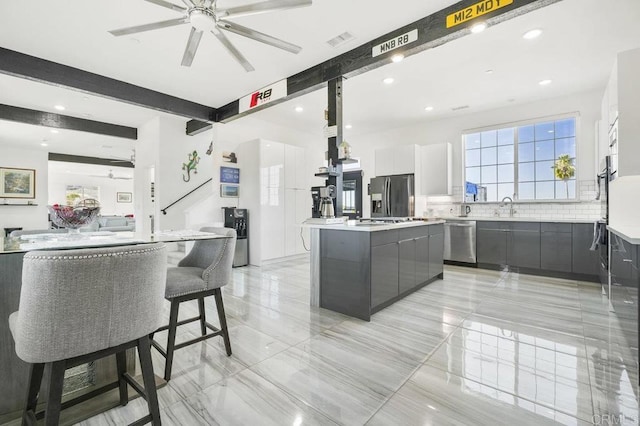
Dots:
(399, 160)
(620, 102)
(436, 169)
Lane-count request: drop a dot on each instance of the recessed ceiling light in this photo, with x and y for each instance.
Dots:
(299, 109)
(397, 57)
(478, 28)
(54, 131)
(544, 82)
(529, 35)
(59, 107)
(429, 108)
(388, 80)
(489, 72)
(348, 126)
(44, 144)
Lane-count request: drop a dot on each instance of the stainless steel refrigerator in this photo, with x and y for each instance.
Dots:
(392, 196)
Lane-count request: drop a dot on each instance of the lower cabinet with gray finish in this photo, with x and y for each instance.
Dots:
(545, 248)
(556, 247)
(363, 272)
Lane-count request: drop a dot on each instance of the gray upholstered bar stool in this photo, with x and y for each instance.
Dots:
(77, 306)
(201, 273)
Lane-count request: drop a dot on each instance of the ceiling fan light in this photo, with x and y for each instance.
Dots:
(202, 21)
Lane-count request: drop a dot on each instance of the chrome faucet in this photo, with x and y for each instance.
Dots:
(511, 210)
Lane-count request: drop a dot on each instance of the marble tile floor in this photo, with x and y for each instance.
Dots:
(479, 347)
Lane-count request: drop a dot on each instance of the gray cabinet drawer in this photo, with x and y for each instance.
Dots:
(525, 226)
(436, 229)
(379, 238)
(492, 225)
(556, 227)
(413, 232)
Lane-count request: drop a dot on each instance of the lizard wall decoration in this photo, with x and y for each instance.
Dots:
(190, 166)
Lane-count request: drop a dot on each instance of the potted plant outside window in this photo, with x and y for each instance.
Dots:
(564, 169)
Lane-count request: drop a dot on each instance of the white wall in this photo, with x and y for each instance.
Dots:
(58, 181)
(28, 217)
(451, 129)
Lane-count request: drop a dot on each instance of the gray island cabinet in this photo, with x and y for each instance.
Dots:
(362, 269)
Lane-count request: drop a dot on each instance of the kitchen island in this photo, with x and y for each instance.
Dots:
(359, 270)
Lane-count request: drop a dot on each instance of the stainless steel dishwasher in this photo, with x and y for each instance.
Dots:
(460, 240)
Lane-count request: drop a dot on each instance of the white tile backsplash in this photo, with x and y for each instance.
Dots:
(586, 208)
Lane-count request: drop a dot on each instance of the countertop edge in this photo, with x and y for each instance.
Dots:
(631, 234)
(375, 228)
(519, 219)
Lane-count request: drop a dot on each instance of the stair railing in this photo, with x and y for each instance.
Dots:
(164, 211)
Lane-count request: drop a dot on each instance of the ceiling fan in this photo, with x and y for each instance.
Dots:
(110, 175)
(204, 15)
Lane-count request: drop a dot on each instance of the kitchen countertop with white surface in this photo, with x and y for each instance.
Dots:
(629, 233)
(518, 219)
(372, 227)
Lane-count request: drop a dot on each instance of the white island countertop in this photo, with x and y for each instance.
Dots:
(629, 233)
(372, 227)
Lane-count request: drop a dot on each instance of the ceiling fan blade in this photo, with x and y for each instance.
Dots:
(258, 36)
(192, 47)
(149, 27)
(234, 52)
(168, 5)
(261, 7)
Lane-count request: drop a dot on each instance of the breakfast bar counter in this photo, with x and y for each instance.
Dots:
(359, 269)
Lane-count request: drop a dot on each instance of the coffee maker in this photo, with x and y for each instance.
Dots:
(327, 194)
(323, 197)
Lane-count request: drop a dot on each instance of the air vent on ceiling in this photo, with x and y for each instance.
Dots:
(341, 39)
(458, 108)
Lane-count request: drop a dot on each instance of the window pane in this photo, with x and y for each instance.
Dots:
(566, 128)
(566, 146)
(526, 191)
(505, 154)
(505, 136)
(525, 152)
(544, 131)
(544, 150)
(472, 141)
(525, 134)
(561, 189)
(473, 157)
(489, 156)
(473, 174)
(505, 190)
(489, 174)
(489, 138)
(526, 172)
(492, 192)
(545, 190)
(544, 171)
(505, 173)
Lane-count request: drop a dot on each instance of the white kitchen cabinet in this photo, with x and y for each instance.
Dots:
(620, 103)
(436, 169)
(275, 184)
(399, 160)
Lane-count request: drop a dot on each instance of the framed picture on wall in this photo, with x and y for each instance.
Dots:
(124, 197)
(17, 183)
(229, 190)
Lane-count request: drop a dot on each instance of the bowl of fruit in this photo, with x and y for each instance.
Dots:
(72, 218)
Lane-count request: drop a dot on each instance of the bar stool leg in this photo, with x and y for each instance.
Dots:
(223, 320)
(35, 380)
(203, 320)
(146, 365)
(121, 361)
(54, 397)
(171, 340)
